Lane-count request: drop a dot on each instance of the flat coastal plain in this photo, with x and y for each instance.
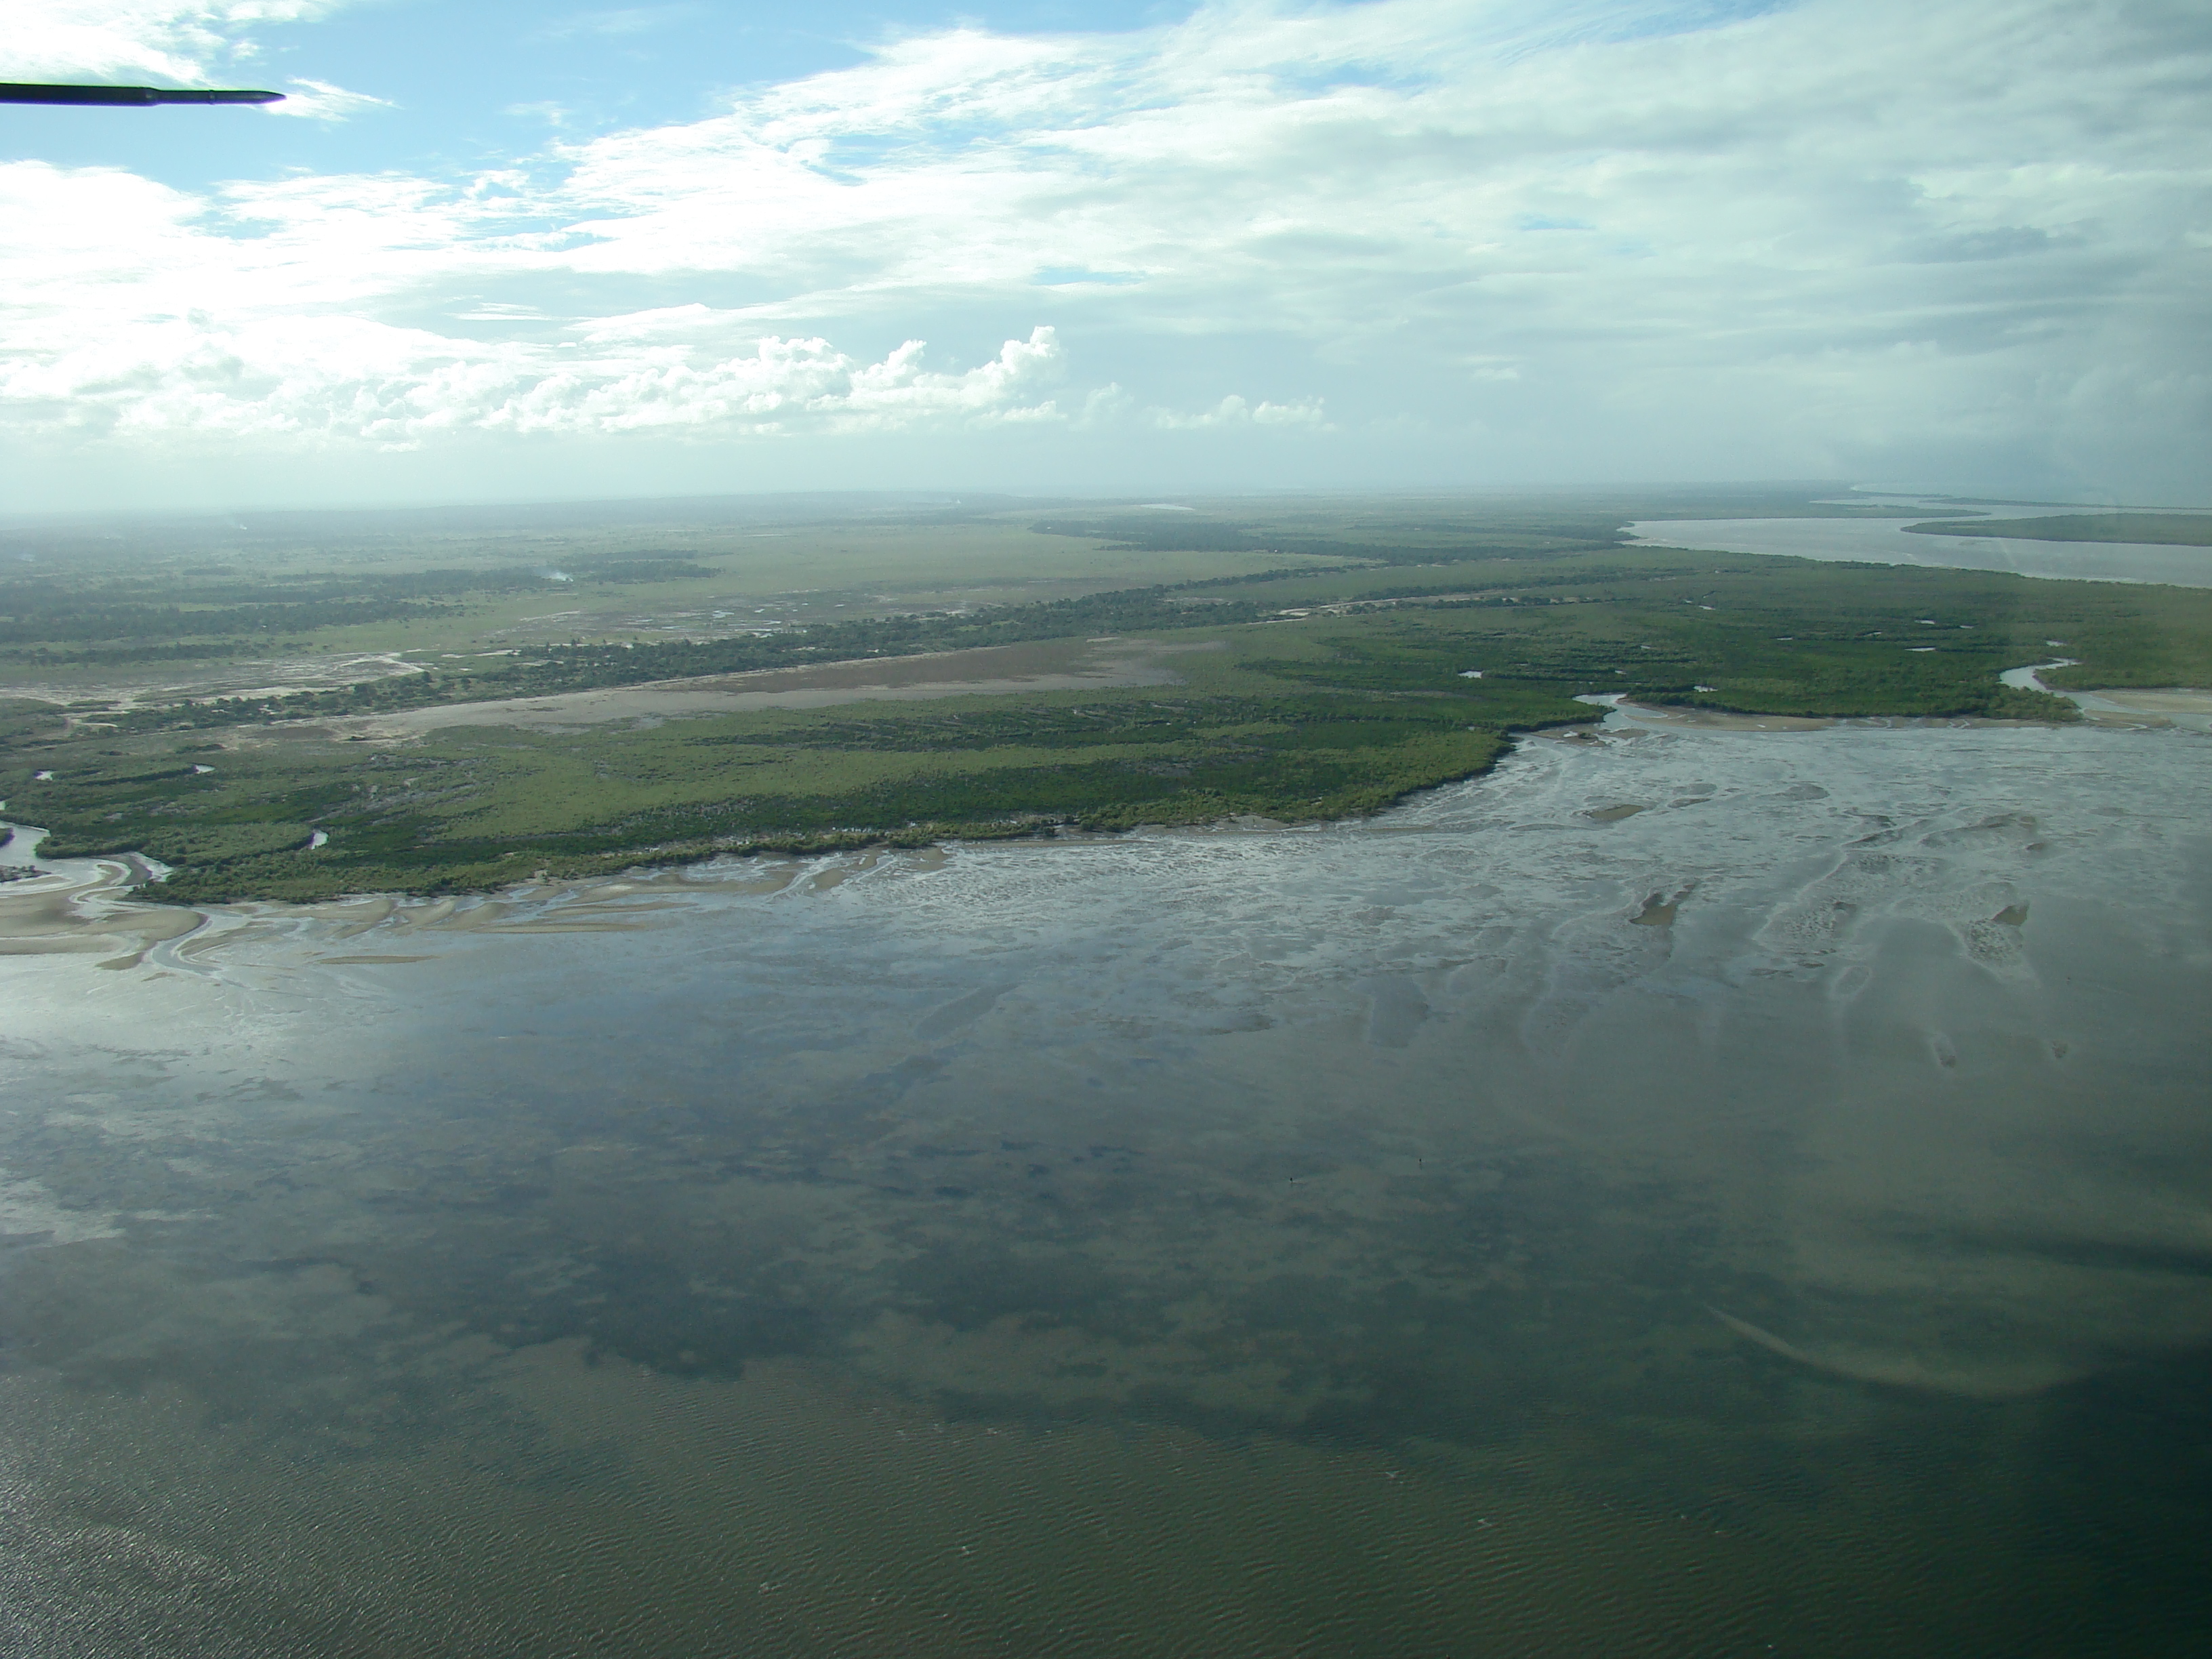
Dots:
(694, 693)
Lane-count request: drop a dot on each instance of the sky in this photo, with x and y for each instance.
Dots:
(511, 251)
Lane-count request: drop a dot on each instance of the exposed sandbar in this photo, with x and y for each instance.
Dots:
(1714, 720)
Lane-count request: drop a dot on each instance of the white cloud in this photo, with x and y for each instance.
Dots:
(297, 382)
(160, 40)
(619, 20)
(1622, 239)
(319, 100)
(1234, 411)
(781, 386)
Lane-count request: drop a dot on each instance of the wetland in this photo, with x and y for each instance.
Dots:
(1362, 651)
(1692, 1142)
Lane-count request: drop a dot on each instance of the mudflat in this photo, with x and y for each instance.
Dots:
(1035, 667)
(1616, 1234)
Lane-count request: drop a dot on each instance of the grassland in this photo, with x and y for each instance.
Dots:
(1327, 658)
(80, 603)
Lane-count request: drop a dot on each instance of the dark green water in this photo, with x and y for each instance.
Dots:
(1235, 1243)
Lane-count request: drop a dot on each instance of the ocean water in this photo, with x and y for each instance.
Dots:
(1694, 1191)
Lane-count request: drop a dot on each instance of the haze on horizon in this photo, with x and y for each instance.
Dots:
(508, 251)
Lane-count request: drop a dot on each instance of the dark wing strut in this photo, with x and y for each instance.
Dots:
(20, 92)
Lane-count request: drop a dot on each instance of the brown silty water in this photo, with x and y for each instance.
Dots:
(1778, 1214)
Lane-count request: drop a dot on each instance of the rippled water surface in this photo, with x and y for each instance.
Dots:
(1692, 1192)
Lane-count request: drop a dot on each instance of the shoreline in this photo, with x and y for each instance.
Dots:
(122, 875)
(1881, 541)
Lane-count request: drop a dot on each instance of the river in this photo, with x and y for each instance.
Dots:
(1886, 541)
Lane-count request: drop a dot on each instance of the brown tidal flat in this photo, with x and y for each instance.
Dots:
(2171, 706)
(70, 913)
(1041, 666)
(62, 916)
(1659, 910)
(1713, 720)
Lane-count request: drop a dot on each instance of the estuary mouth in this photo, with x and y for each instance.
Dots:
(1579, 1100)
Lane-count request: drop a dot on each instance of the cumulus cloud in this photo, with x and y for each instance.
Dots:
(781, 386)
(288, 383)
(1636, 239)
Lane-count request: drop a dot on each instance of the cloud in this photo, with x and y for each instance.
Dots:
(313, 382)
(553, 114)
(781, 386)
(1233, 411)
(1064, 278)
(163, 42)
(1851, 236)
(319, 100)
(619, 20)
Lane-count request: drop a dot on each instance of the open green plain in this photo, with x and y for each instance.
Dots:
(215, 704)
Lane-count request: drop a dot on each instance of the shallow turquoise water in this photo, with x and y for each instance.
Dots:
(1369, 1239)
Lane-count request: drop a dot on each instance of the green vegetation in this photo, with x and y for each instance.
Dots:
(1360, 651)
(144, 616)
(472, 807)
(75, 601)
(1763, 635)
(2152, 529)
(549, 670)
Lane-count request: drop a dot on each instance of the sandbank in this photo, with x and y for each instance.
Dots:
(1716, 719)
(83, 906)
(2168, 706)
